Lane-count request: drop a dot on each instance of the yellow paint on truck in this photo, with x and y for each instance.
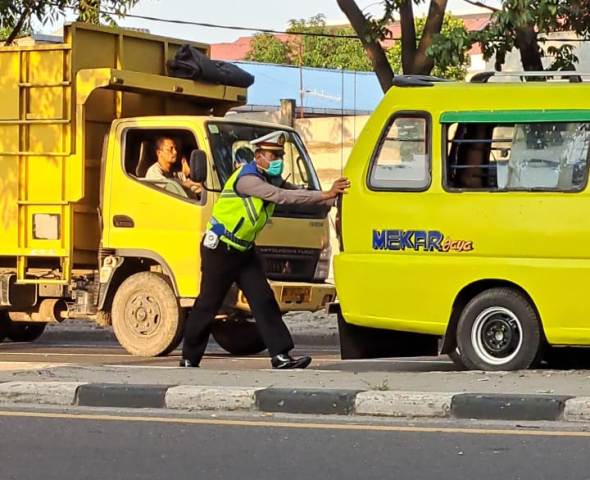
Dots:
(78, 125)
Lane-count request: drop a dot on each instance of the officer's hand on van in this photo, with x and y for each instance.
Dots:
(338, 187)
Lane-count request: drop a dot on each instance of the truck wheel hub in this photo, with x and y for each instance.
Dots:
(143, 314)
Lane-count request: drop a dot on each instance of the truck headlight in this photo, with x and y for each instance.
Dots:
(322, 269)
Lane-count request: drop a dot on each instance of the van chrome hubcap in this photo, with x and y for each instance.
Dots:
(496, 335)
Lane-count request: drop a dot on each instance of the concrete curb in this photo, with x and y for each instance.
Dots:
(300, 401)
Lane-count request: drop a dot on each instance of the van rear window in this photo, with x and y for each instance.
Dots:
(550, 156)
(402, 158)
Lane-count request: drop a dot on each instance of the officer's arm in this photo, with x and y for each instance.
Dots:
(253, 186)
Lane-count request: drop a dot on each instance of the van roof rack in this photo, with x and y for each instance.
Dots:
(571, 75)
(416, 80)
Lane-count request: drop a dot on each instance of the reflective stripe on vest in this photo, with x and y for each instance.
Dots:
(238, 219)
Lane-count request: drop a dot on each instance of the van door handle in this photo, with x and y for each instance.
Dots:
(123, 221)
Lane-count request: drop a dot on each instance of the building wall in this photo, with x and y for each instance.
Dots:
(329, 141)
(582, 50)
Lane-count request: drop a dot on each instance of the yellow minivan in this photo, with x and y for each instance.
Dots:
(466, 230)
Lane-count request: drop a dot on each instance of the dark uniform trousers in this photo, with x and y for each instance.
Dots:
(220, 268)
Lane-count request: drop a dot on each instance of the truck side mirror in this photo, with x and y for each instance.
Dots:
(198, 166)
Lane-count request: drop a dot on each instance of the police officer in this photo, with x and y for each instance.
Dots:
(228, 255)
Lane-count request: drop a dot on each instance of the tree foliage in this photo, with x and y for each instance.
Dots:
(267, 48)
(523, 25)
(342, 53)
(16, 15)
(325, 52)
(311, 51)
(452, 63)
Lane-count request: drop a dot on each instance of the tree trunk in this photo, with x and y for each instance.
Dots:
(374, 50)
(408, 29)
(18, 27)
(530, 53)
(423, 64)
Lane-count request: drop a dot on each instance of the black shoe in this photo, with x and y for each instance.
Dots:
(187, 363)
(284, 360)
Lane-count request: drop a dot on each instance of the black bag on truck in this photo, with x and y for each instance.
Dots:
(189, 62)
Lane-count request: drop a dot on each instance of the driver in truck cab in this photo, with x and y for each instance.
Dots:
(228, 255)
(163, 169)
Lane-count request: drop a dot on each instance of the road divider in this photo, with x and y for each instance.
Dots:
(319, 401)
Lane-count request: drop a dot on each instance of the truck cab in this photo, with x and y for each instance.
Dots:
(164, 223)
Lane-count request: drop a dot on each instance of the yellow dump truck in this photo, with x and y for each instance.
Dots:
(86, 235)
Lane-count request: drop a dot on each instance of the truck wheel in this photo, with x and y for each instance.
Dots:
(4, 323)
(25, 331)
(238, 335)
(147, 319)
(499, 330)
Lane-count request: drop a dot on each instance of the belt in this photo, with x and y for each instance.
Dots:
(230, 236)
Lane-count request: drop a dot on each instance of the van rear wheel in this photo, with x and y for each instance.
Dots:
(499, 330)
(238, 334)
(147, 319)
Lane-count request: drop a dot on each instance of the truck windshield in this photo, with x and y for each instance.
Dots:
(230, 144)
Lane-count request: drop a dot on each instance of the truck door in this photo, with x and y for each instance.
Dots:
(155, 218)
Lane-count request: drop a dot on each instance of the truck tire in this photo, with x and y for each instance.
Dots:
(4, 323)
(25, 331)
(239, 335)
(499, 330)
(147, 319)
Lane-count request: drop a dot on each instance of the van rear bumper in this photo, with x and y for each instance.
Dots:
(292, 296)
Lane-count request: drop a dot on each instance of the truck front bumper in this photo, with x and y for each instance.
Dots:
(293, 296)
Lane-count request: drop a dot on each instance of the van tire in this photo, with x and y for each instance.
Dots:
(147, 319)
(238, 334)
(499, 330)
(455, 356)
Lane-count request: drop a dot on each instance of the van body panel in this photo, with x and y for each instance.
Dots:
(536, 240)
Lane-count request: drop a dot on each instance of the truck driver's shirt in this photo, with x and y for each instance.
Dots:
(155, 172)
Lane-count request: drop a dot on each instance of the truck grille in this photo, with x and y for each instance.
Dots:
(291, 264)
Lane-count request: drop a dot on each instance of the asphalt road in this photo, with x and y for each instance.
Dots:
(110, 353)
(53, 446)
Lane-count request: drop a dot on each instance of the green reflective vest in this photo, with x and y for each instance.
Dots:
(238, 219)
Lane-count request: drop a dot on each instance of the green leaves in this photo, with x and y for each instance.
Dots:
(267, 48)
(449, 49)
(524, 24)
(311, 51)
(16, 15)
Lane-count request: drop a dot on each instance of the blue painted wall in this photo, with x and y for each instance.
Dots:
(323, 88)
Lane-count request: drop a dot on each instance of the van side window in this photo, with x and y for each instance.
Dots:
(402, 160)
(517, 156)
